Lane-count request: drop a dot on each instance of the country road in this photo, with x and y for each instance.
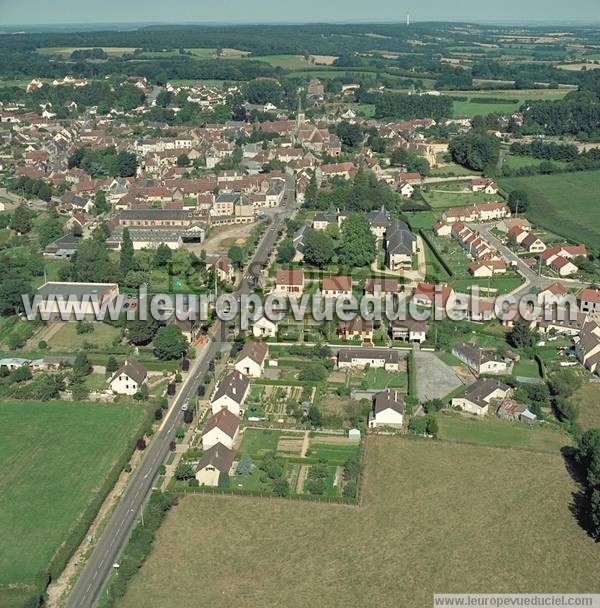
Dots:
(109, 545)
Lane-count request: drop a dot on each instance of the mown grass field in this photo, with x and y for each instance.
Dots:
(492, 431)
(436, 517)
(588, 400)
(67, 338)
(55, 458)
(567, 204)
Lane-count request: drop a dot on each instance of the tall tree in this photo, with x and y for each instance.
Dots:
(318, 248)
(127, 254)
(22, 220)
(358, 242)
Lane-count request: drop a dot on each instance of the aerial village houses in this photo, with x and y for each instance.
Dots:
(337, 287)
(359, 358)
(264, 328)
(388, 410)
(231, 393)
(128, 379)
(289, 282)
(223, 428)
(215, 461)
(480, 395)
(251, 360)
(479, 360)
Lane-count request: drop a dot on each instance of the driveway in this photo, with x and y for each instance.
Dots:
(435, 379)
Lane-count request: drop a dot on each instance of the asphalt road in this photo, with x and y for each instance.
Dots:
(116, 533)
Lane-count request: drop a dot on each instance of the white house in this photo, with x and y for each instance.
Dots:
(231, 393)
(359, 358)
(478, 397)
(128, 379)
(216, 460)
(264, 328)
(223, 428)
(388, 409)
(479, 360)
(251, 360)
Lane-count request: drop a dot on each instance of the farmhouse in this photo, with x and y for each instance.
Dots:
(388, 409)
(231, 393)
(215, 461)
(223, 428)
(478, 397)
(251, 360)
(128, 379)
(479, 360)
(359, 358)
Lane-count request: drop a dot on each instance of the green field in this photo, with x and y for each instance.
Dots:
(516, 162)
(567, 204)
(492, 431)
(588, 400)
(65, 51)
(514, 100)
(67, 338)
(436, 517)
(56, 458)
(444, 196)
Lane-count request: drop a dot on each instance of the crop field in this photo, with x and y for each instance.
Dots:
(442, 196)
(434, 519)
(56, 458)
(65, 51)
(566, 204)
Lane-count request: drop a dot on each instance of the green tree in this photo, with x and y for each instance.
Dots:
(162, 256)
(183, 160)
(21, 221)
(518, 201)
(358, 242)
(170, 343)
(126, 259)
(246, 466)
(236, 255)
(475, 151)
(100, 203)
(92, 264)
(285, 251)
(81, 366)
(521, 336)
(184, 471)
(311, 196)
(49, 230)
(141, 332)
(111, 365)
(318, 248)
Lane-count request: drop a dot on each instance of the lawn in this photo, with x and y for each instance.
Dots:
(334, 454)
(492, 431)
(378, 378)
(526, 368)
(436, 517)
(67, 338)
(440, 196)
(588, 400)
(567, 204)
(516, 162)
(56, 458)
(258, 442)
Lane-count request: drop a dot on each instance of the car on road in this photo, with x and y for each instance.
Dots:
(185, 406)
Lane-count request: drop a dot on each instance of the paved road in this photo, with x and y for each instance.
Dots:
(114, 536)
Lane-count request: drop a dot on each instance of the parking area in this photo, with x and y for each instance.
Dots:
(435, 379)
